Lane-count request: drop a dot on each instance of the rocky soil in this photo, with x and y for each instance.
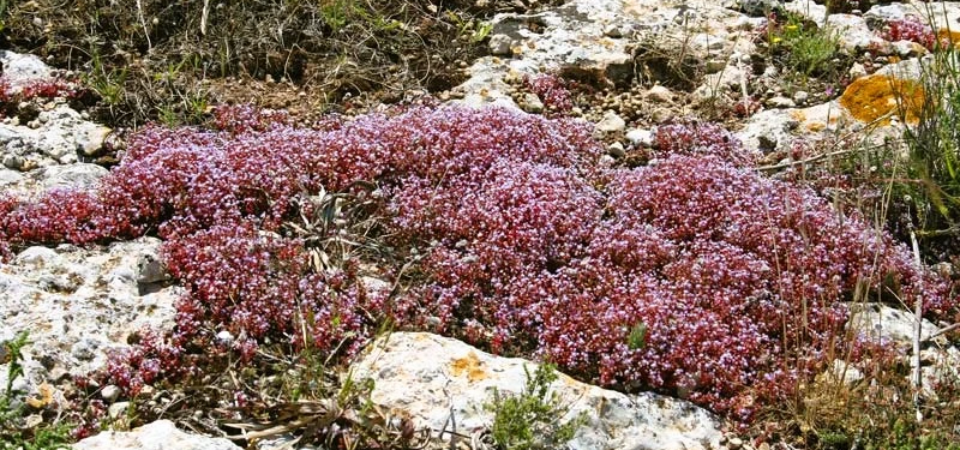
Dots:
(645, 62)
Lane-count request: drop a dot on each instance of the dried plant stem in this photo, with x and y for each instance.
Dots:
(143, 23)
(918, 313)
(204, 16)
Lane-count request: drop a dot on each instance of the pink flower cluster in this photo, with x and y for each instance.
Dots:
(702, 139)
(45, 89)
(552, 91)
(693, 276)
(49, 89)
(912, 29)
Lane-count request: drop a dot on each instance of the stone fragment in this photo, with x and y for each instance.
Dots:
(801, 97)
(459, 379)
(73, 176)
(853, 33)
(883, 322)
(532, 104)
(159, 435)
(780, 102)
(640, 137)
(78, 303)
(611, 123)
(151, 270)
(500, 45)
(760, 8)
(110, 393)
(56, 137)
(616, 150)
(117, 410)
(20, 70)
(768, 130)
(659, 94)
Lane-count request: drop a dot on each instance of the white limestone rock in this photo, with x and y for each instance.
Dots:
(426, 377)
(576, 39)
(853, 33)
(640, 137)
(159, 435)
(808, 9)
(77, 304)
(76, 176)
(768, 130)
(884, 322)
(611, 123)
(61, 134)
(21, 70)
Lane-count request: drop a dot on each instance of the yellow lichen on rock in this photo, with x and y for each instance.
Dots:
(879, 97)
(947, 36)
(469, 366)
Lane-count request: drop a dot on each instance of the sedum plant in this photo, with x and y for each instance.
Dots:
(493, 226)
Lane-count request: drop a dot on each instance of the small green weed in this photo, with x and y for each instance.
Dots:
(470, 30)
(934, 144)
(336, 14)
(13, 434)
(808, 49)
(108, 83)
(638, 336)
(3, 15)
(529, 421)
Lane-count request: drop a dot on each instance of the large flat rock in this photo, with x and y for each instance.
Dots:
(428, 377)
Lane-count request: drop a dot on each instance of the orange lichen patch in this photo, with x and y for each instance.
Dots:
(877, 97)
(946, 36)
(572, 383)
(469, 366)
(44, 398)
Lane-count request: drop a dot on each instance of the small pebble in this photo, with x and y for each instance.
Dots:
(800, 97)
(613, 31)
(224, 338)
(611, 123)
(616, 150)
(642, 138)
(32, 421)
(110, 393)
(658, 94)
(500, 44)
(117, 409)
(532, 104)
(780, 102)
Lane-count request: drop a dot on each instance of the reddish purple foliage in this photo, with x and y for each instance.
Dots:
(7, 205)
(5, 93)
(526, 245)
(747, 107)
(245, 118)
(48, 89)
(45, 89)
(497, 232)
(552, 91)
(59, 215)
(911, 29)
(718, 264)
(702, 139)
